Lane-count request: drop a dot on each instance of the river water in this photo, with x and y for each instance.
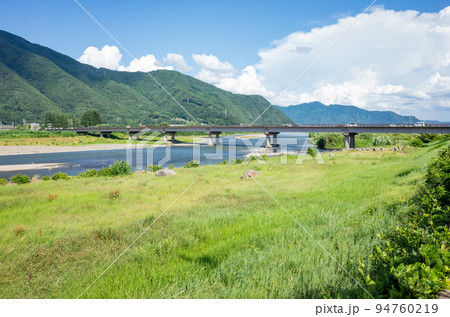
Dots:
(78, 162)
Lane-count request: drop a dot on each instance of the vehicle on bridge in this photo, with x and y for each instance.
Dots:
(419, 124)
(352, 124)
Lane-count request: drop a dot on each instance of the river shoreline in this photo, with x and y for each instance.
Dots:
(43, 149)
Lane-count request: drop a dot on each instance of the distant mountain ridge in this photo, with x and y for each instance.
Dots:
(35, 79)
(318, 113)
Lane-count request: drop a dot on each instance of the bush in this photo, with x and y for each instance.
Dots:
(413, 261)
(3, 181)
(192, 164)
(312, 151)
(120, 168)
(45, 178)
(427, 137)
(20, 179)
(416, 143)
(153, 168)
(116, 169)
(89, 173)
(60, 175)
(381, 140)
(321, 143)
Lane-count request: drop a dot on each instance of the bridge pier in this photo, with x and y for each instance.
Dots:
(274, 139)
(105, 134)
(349, 140)
(172, 138)
(216, 133)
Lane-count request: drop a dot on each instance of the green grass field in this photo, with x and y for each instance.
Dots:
(224, 238)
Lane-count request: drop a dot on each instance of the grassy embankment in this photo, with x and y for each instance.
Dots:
(367, 140)
(67, 138)
(224, 238)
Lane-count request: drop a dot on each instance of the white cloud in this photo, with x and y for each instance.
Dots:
(108, 57)
(246, 83)
(178, 61)
(438, 82)
(146, 63)
(212, 69)
(398, 60)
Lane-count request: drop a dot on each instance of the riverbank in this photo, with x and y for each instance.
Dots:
(224, 238)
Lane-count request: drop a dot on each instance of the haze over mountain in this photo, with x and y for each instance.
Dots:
(35, 79)
(318, 113)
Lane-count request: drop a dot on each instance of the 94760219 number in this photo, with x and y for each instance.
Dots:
(407, 308)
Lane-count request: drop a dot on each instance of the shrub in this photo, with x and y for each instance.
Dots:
(45, 178)
(153, 168)
(192, 164)
(60, 175)
(20, 179)
(3, 181)
(427, 137)
(89, 173)
(312, 151)
(381, 140)
(120, 168)
(321, 143)
(114, 194)
(116, 169)
(416, 143)
(413, 261)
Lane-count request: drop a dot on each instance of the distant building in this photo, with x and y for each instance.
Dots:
(34, 126)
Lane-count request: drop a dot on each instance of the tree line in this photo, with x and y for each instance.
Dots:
(61, 120)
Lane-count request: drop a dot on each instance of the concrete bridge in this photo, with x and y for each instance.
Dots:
(348, 130)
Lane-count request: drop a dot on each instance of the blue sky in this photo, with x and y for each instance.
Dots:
(232, 36)
(232, 30)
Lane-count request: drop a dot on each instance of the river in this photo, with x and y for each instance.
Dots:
(78, 162)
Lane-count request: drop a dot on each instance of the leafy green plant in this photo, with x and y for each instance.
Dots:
(381, 140)
(60, 175)
(89, 173)
(118, 168)
(20, 179)
(46, 178)
(3, 181)
(416, 143)
(312, 151)
(192, 164)
(153, 168)
(414, 260)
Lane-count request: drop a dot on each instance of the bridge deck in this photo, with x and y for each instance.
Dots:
(340, 128)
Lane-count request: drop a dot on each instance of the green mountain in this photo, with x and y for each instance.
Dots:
(318, 113)
(35, 79)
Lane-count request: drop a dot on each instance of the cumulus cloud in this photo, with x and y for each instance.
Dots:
(246, 83)
(178, 61)
(146, 63)
(398, 60)
(108, 57)
(212, 69)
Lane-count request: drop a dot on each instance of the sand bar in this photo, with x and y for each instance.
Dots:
(37, 149)
(23, 167)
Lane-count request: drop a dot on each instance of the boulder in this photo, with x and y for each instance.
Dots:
(165, 172)
(250, 173)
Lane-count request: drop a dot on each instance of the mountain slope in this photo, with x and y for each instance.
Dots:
(318, 113)
(45, 80)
